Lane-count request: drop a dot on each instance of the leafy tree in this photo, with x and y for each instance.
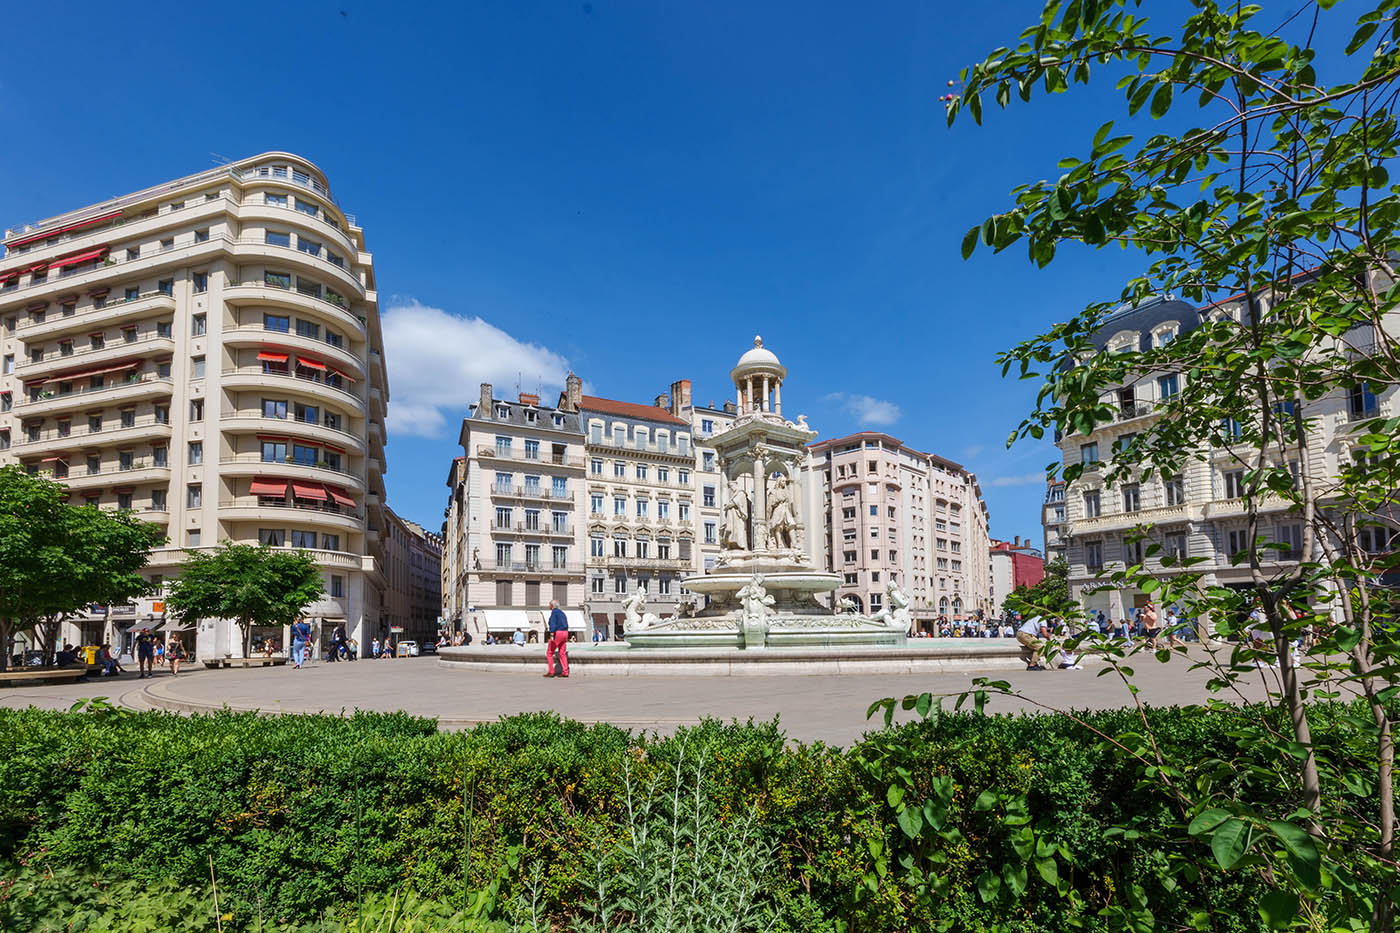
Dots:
(56, 558)
(1268, 201)
(253, 585)
(1049, 596)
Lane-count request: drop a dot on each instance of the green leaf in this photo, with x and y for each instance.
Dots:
(1015, 878)
(911, 821)
(988, 885)
(895, 795)
(1049, 870)
(1229, 842)
(969, 243)
(1278, 908)
(985, 800)
(1303, 856)
(1162, 100)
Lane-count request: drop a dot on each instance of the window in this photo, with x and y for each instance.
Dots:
(198, 324)
(683, 477)
(1174, 543)
(277, 238)
(683, 511)
(595, 546)
(335, 259)
(641, 471)
(196, 453)
(337, 581)
(620, 506)
(1176, 490)
(1238, 542)
(94, 424)
(128, 417)
(192, 537)
(1361, 401)
(132, 292)
(308, 329)
(595, 504)
(1234, 484)
(1167, 386)
(304, 455)
(7, 401)
(274, 451)
(707, 460)
(194, 496)
(707, 497)
(559, 488)
(595, 586)
(304, 539)
(196, 409)
(1132, 497)
(162, 414)
(643, 548)
(707, 426)
(1091, 504)
(158, 503)
(620, 583)
(1374, 539)
(311, 247)
(308, 207)
(641, 508)
(595, 466)
(133, 252)
(503, 517)
(160, 456)
(332, 420)
(308, 414)
(1093, 555)
(96, 341)
(1088, 453)
(532, 450)
(1292, 536)
(271, 537)
(710, 536)
(274, 408)
(663, 508)
(129, 334)
(619, 547)
(197, 368)
(278, 279)
(277, 322)
(334, 339)
(503, 445)
(619, 469)
(1132, 552)
(663, 474)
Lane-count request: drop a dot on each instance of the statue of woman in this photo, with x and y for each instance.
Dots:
(735, 536)
(782, 513)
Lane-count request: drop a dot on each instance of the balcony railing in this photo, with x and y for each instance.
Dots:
(49, 395)
(523, 566)
(78, 354)
(531, 492)
(110, 434)
(259, 371)
(510, 453)
(298, 505)
(286, 461)
(674, 450)
(1127, 412)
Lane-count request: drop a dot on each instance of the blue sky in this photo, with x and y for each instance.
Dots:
(630, 189)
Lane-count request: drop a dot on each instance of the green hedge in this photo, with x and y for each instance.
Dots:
(303, 815)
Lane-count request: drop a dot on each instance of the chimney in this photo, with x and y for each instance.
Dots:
(663, 401)
(529, 398)
(730, 408)
(573, 393)
(680, 396)
(483, 409)
(1016, 542)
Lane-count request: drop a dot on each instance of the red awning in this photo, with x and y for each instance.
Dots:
(339, 496)
(98, 292)
(54, 460)
(35, 237)
(334, 449)
(38, 267)
(310, 364)
(272, 357)
(121, 489)
(85, 256)
(67, 299)
(308, 491)
(119, 368)
(36, 306)
(268, 487)
(6, 276)
(272, 437)
(343, 375)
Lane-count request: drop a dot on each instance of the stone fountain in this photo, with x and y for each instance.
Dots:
(764, 591)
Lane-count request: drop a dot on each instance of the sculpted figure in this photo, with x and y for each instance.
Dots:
(755, 599)
(848, 605)
(782, 513)
(633, 607)
(735, 536)
(897, 605)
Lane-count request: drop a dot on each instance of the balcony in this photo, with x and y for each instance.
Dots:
(645, 563)
(142, 471)
(147, 386)
(487, 452)
(1226, 508)
(1131, 412)
(255, 465)
(531, 492)
(669, 450)
(255, 377)
(258, 336)
(56, 362)
(530, 567)
(252, 422)
(142, 429)
(112, 314)
(251, 508)
(259, 294)
(1116, 520)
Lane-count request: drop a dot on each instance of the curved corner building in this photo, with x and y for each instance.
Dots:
(207, 353)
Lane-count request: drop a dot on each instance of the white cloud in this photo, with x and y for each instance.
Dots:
(972, 450)
(866, 409)
(437, 361)
(1025, 479)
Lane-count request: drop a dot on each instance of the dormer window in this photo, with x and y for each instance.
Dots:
(558, 421)
(502, 411)
(1165, 334)
(530, 416)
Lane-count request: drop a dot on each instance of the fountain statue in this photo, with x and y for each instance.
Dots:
(764, 590)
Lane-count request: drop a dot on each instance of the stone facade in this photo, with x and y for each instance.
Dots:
(413, 559)
(1052, 520)
(1013, 564)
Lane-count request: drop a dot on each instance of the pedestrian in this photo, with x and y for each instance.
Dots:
(145, 653)
(160, 652)
(518, 639)
(301, 636)
(558, 641)
(374, 647)
(1173, 623)
(175, 651)
(1032, 635)
(1150, 629)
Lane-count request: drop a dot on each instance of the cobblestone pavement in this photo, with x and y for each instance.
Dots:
(809, 708)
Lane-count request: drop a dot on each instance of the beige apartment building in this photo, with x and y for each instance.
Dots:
(1052, 520)
(705, 422)
(1199, 513)
(513, 530)
(413, 566)
(207, 353)
(642, 494)
(884, 511)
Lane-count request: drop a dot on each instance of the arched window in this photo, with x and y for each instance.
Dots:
(943, 606)
(957, 606)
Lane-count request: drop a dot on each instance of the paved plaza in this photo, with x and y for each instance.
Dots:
(810, 708)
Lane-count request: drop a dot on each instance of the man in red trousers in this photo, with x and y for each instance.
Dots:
(558, 640)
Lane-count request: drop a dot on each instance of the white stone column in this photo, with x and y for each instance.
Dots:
(739, 398)
(778, 398)
(766, 406)
(760, 504)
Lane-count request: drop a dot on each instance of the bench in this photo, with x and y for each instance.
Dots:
(217, 663)
(42, 675)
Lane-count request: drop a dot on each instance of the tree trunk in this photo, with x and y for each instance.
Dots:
(7, 634)
(246, 625)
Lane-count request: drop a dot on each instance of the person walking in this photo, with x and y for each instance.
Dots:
(1032, 635)
(1150, 628)
(301, 636)
(558, 641)
(175, 653)
(145, 644)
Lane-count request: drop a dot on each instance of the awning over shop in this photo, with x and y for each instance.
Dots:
(600, 620)
(505, 620)
(578, 622)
